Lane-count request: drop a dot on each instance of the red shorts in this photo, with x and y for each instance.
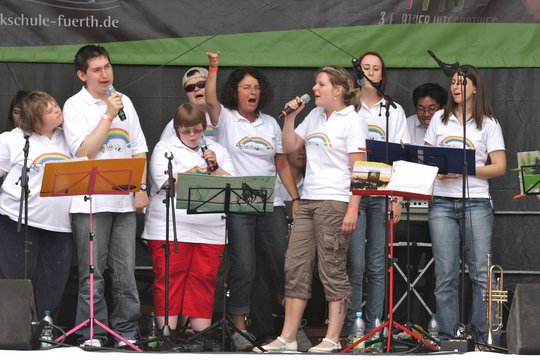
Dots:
(192, 278)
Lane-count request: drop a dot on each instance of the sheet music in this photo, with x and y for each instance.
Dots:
(412, 177)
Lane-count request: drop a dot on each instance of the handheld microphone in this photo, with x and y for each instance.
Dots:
(121, 113)
(212, 166)
(360, 77)
(303, 99)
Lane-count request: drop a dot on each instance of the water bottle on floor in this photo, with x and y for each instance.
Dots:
(47, 332)
(433, 327)
(376, 347)
(358, 332)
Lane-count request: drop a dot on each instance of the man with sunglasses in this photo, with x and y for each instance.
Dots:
(193, 82)
(427, 99)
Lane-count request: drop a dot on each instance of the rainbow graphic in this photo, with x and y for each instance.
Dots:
(197, 170)
(210, 131)
(45, 158)
(456, 142)
(254, 142)
(318, 138)
(376, 132)
(117, 134)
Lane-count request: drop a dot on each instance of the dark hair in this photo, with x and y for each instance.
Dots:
(86, 53)
(229, 92)
(338, 76)
(434, 91)
(32, 110)
(481, 105)
(15, 102)
(383, 70)
(187, 115)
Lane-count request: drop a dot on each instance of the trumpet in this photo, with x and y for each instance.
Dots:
(497, 295)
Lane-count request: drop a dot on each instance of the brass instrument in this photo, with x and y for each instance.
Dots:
(498, 295)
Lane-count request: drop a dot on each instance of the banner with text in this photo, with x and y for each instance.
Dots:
(283, 33)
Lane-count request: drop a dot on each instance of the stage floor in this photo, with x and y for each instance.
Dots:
(74, 353)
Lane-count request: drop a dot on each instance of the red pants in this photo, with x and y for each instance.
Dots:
(192, 278)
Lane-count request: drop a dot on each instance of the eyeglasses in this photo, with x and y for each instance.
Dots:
(191, 132)
(250, 88)
(430, 109)
(200, 85)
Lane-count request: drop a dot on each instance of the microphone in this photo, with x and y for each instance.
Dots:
(360, 77)
(448, 69)
(121, 113)
(303, 99)
(212, 166)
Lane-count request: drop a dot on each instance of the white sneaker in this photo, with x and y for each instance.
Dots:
(122, 344)
(92, 342)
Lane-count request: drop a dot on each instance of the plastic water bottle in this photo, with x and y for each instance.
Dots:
(375, 337)
(358, 332)
(153, 344)
(47, 332)
(433, 327)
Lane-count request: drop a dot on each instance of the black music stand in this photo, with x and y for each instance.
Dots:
(205, 194)
(89, 177)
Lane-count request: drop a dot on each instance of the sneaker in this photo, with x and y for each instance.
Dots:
(122, 344)
(304, 344)
(241, 343)
(92, 343)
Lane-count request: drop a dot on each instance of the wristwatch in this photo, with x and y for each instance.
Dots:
(143, 187)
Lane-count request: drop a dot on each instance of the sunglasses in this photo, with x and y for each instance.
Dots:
(200, 85)
(191, 132)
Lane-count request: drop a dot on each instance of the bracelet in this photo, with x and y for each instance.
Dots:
(213, 69)
(353, 210)
(108, 118)
(295, 199)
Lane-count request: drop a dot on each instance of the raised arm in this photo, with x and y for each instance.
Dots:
(210, 90)
(290, 140)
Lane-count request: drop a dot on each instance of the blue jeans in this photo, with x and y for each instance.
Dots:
(269, 232)
(114, 251)
(367, 250)
(445, 218)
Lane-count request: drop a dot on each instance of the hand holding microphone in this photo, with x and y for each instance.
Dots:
(121, 113)
(209, 158)
(304, 99)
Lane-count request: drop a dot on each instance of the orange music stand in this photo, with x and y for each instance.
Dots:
(89, 177)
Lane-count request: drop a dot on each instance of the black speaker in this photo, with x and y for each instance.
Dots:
(17, 311)
(523, 326)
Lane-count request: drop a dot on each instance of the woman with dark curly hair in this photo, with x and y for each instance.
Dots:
(14, 115)
(253, 139)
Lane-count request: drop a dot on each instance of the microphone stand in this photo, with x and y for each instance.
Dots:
(464, 331)
(23, 201)
(169, 198)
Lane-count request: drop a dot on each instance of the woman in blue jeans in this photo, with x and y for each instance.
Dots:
(367, 248)
(484, 135)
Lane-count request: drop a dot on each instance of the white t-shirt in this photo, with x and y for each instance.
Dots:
(49, 213)
(210, 133)
(252, 145)
(375, 117)
(483, 141)
(82, 113)
(416, 130)
(328, 144)
(193, 228)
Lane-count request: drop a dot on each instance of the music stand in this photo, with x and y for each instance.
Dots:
(529, 172)
(390, 323)
(205, 194)
(89, 177)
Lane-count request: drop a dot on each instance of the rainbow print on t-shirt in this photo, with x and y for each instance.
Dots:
(45, 158)
(117, 134)
(456, 142)
(318, 139)
(376, 133)
(256, 143)
(197, 170)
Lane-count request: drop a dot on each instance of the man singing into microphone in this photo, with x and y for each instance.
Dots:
(93, 129)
